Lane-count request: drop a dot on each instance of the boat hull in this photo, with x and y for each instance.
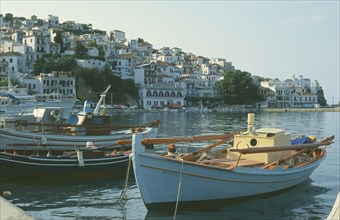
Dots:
(32, 140)
(28, 168)
(164, 180)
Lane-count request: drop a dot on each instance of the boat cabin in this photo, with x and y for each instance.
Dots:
(264, 137)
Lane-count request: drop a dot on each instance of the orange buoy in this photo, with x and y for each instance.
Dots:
(171, 148)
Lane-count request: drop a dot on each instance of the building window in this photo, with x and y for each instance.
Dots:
(148, 93)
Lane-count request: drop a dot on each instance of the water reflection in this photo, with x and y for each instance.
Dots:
(296, 203)
(98, 198)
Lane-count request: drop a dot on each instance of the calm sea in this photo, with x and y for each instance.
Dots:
(98, 198)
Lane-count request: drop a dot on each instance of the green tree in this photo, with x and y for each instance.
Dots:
(55, 62)
(98, 80)
(59, 39)
(8, 17)
(237, 87)
(321, 98)
(81, 51)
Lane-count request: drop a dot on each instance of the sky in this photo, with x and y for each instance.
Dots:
(274, 39)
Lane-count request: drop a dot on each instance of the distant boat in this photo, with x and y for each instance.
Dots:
(93, 163)
(245, 164)
(15, 101)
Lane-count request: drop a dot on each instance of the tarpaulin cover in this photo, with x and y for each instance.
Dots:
(301, 140)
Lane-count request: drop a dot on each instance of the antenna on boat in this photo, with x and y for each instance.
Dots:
(102, 96)
(251, 119)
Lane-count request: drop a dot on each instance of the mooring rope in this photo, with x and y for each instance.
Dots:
(179, 188)
(126, 180)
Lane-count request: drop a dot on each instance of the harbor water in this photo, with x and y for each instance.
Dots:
(99, 198)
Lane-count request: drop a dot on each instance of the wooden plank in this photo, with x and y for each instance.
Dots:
(151, 141)
(254, 150)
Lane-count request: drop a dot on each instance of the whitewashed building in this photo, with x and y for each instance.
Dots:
(15, 62)
(52, 20)
(117, 36)
(62, 83)
(39, 41)
(160, 95)
(292, 93)
(122, 66)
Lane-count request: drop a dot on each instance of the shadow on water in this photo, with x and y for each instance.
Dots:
(284, 204)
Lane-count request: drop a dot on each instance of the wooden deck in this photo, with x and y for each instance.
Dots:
(229, 162)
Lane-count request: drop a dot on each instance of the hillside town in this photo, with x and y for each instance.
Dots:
(164, 77)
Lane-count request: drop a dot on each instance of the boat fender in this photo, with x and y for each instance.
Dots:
(312, 139)
(171, 150)
(49, 153)
(80, 158)
(43, 139)
(90, 145)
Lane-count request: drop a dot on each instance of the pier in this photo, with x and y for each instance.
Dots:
(9, 211)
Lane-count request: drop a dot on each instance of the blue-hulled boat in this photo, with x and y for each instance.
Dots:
(257, 161)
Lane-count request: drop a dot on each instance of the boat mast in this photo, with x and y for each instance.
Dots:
(102, 96)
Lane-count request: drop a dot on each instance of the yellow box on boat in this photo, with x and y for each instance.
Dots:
(264, 137)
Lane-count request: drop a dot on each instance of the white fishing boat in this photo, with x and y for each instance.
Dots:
(84, 129)
(249, 163)
(15, 101)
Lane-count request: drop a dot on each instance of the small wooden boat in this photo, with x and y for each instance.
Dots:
(244, 164)
(71, 165)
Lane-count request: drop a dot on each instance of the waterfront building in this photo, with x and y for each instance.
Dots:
(57, 82)
(30, 83)
(161, 95)
(292, 93)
